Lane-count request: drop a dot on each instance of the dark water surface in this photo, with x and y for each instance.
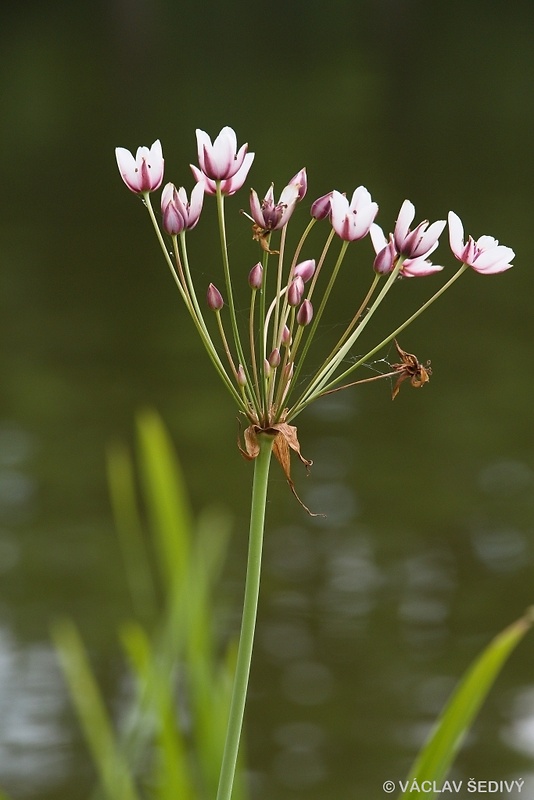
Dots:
(368, 617)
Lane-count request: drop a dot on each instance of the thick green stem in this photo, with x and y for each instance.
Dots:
(248, 622)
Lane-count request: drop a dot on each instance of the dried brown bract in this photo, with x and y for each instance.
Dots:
(261, 235)
(285, 440)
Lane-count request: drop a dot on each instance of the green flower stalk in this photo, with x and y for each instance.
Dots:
(248, 621)
(260, 362)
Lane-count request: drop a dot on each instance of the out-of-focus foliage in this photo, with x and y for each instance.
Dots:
(167, 740)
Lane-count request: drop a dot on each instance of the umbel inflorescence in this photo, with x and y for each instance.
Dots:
(261, 362)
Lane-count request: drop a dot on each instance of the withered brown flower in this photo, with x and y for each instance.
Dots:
(410, 367)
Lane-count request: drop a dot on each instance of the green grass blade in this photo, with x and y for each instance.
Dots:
(165, 497)
(461, 709)
(172, 773)
(121, 481)
(172, 648)
(208, 698)
(114, 774)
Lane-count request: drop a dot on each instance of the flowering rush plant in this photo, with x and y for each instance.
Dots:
(260, 362)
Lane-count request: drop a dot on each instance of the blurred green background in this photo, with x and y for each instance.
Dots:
(369, 616)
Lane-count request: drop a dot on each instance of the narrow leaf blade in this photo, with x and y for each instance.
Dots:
(462, 707)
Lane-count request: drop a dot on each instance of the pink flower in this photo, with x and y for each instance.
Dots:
(300, 180)
(352, 221)
(485, 255)
(387, 256)
(228, 186)
(419, 242)
(177, 212)
(221, 160)
(144, 173)
(271, 216)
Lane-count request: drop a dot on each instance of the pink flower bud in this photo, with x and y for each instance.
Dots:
(214, 298)
(305, 270)
(383, 263)
(255, 276)
(305, 313)
(286, 336)
(266, 368)
(172, 219)
(178, 213)
(386, 256)
(295, 291)
(321, 207)
(241, 376)
(274, 358)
